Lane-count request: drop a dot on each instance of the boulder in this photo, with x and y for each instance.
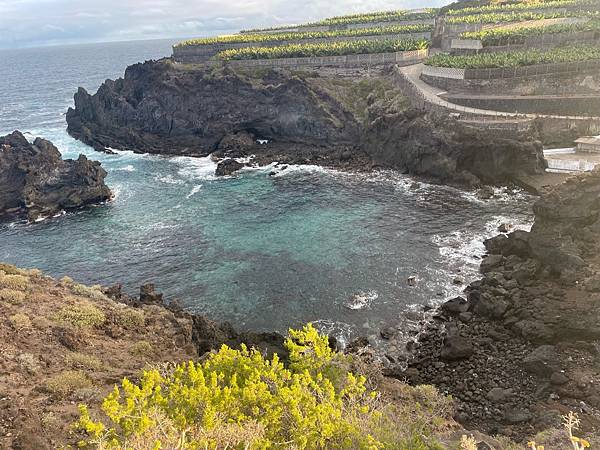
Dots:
(36, 182)
(228, 167)
(456, 348)
(456, 305)
(543, 361)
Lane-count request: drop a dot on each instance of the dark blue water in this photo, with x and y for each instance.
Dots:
(263, 252)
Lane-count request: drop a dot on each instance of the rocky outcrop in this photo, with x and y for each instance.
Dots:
(159, 108)
(440, 147)
(228, 167)
(162, 108)
(35, 182)
(532, 322)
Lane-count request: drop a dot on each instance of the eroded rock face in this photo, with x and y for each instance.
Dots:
(442, 148)
(36, 182)
(157, 108)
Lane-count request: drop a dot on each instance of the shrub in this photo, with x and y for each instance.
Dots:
(13, 281)
(83, 361)
(12, 296)
(20, 321)
(93, 292)
(129, 317)
(9, 269)
(141, 348)
(82, 315)
(28, 362)
(67, 382)
(240, 399)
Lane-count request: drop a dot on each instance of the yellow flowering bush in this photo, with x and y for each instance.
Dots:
(240, 399)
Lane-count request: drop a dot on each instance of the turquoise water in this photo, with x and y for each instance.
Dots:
(262, 251)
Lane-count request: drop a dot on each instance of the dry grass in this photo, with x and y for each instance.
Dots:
(12, 296)
(67, 382)
(20, 321)
(9, 269)
(141, 348)
(81, 315)
(13, 281)
(78, 360)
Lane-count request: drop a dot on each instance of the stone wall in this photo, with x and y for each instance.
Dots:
(195, 54)
(575, 105)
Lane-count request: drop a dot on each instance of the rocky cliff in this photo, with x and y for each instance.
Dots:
(163, 108)
(526, 333)
(36, 182)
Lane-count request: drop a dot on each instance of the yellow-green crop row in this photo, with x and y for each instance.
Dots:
(517, 16)
(520, 6)
(572, 54)
(374, 17)
(520, 35)
(324, 49)
(279, 37)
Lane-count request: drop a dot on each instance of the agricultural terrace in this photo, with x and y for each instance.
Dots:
(572, 54)
(500, 36)
(374, 17)
(489, 18)
(521, 7)
(298, 36)
(324, 49)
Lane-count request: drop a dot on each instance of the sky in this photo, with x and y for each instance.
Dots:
(32, 23)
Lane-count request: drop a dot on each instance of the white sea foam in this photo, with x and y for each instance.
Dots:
(127, 168)
(361, 300)
(196, 168)
(194, 190)
(340, 330)
(168, 179)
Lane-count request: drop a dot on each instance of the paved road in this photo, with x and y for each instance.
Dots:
(431, 94)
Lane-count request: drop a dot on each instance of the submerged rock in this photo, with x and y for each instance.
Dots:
(36, 182)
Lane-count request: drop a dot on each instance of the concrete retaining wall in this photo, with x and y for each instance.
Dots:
(348, 61)
(194, 54)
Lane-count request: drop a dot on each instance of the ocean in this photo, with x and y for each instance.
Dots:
(263, 252)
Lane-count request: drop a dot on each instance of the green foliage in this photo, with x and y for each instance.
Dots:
(373, 17)
(129, 317)
(83, 361)
(67, 382)
(278, 37)
(141, 348)
(325, 49)
(81, 315)
(572, 54)
(519, 35)
(239, 399)
(519, 6)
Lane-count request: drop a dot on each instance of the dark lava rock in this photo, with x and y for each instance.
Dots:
(490, 262)
(542, 361)
(228, 167)
(456, 348)
(517, 415)
(149, 296)
(455, 306)
(36, 182)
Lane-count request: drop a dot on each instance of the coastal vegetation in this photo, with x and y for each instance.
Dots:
(278, 37)
(324, 49)
(573, 54)
(519, 35)
(240, 399)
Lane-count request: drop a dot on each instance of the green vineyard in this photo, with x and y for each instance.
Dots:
(515, 59)
(279, 37)
(489, 18)
(520, 35)
(325, 49)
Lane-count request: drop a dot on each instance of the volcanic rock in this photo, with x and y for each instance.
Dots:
(36, 182)
(228, 167)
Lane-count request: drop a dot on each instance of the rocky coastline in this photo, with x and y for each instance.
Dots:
(353, 124)
(35, 182)
(521, 347)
